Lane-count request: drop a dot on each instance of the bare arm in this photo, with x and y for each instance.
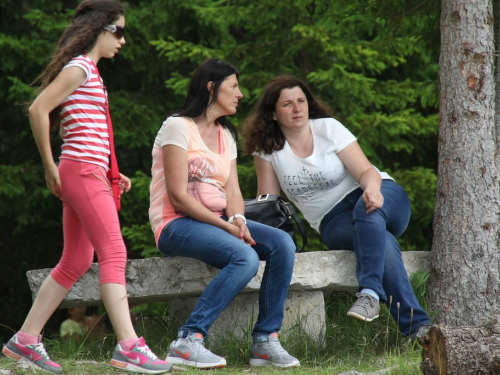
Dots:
(175, 164)
(67, 81)
(365, 174)
(267, 182)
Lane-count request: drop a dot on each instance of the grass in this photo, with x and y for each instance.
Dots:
(348, 345)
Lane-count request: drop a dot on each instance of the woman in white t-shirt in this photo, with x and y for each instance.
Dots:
(300, 149)
(197, 211)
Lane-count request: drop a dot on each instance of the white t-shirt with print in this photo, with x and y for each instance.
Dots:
(315, 184)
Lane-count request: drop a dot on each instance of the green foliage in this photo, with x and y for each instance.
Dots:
(419, 284)
(140, 239)
(374, 62)
(420, 184)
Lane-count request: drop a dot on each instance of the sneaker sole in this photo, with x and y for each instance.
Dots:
(180, 361)
(360, 317)
(133, 368)
(262, 362)
(17, 357)
(12, 355)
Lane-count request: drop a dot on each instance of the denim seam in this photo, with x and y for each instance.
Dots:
(269, 266)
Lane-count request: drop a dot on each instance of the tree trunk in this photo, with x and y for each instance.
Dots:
(461, 350)
(496, 9)
(465, 264)
(463, 285)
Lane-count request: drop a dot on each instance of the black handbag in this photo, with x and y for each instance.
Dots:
(275, 211)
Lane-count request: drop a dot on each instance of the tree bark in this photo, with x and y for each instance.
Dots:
(496, 10)
(461, 350)
(465, 262)
(463, 290)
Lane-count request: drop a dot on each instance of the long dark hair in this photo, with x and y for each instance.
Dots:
(260, 131)
(198, 98)
(79, 38)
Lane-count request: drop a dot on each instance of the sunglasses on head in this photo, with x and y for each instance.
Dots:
(118, 31)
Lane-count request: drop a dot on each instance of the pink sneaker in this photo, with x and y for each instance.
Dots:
(34, 353)
(141, 359)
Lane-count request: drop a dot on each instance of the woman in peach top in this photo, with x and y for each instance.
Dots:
(197, 211)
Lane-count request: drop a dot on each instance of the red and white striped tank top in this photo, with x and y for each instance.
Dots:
(83, 118)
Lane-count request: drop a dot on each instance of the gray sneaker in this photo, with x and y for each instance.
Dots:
(421, 331)
(34, 353)
(365, 308)
(140, 360)
(271, 352)
(191, 351)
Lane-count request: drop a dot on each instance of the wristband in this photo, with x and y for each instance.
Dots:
(231, 219)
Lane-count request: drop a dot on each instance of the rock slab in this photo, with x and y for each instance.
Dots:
(164, 279)
(182, 280)
(304, 309)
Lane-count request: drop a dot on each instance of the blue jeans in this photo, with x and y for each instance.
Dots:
(238, 264)
(379, 264)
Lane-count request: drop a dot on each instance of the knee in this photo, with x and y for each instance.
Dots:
(280, 242)
(285, 244)
(78, 269)
(288, 251)
(112, 267)
(67, 273)
(282, 250)
(360, 216)
(251, 268)
(117, 260)
(253, 262)
(247, 260)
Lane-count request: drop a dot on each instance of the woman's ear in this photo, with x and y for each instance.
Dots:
(210, 86)
(274, 116)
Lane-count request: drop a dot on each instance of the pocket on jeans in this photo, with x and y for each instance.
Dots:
(95, 171)
(89, 168)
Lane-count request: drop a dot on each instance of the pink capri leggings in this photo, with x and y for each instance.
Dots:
(90, 222)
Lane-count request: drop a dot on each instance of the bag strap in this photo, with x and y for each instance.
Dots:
(115, 174)
(297, 220)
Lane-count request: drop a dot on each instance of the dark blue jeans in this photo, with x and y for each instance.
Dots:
(379, 264)
(238, 264)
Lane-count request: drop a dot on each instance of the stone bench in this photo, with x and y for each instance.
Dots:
(181, 280)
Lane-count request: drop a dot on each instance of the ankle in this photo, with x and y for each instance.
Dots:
(371, 293)
(256, 339)
(128, 345)
(27, 339)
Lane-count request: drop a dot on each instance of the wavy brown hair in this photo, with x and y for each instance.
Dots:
(260, 132)
(79, 38)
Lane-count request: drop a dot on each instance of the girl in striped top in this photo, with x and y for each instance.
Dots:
(72, 91)
(83, 118)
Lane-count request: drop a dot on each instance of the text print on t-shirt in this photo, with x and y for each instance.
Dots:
(306, 186)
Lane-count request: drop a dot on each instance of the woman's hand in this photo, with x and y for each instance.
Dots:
(240, 230)
(365, 175)
(125, 183)
(373, 198)
(53, 180)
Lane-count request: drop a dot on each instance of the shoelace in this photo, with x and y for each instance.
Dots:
(147, 352)
(200, 346)
(365, 301)
(40, 350)
(276, 345)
